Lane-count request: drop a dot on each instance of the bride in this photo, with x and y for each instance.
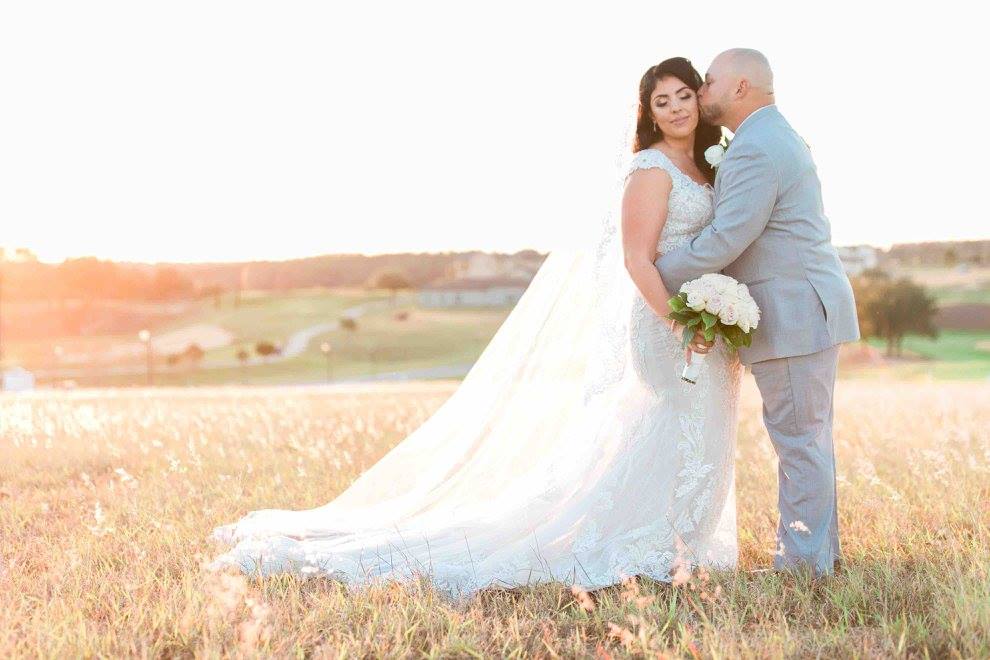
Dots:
(572, 451)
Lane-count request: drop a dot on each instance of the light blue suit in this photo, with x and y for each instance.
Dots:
(771, 233)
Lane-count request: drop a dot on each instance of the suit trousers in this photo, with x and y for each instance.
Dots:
(798, 413)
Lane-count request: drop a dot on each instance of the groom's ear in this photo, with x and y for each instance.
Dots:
(742, 89)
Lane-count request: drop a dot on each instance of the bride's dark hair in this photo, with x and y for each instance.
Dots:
(646, 133)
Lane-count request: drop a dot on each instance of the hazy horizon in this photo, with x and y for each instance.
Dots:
(401, 252)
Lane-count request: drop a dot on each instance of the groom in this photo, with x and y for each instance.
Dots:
(770, 232)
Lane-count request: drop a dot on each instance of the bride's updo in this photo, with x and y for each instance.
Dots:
(647, 133)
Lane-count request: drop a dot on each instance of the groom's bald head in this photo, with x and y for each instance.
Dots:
(749, 65)
(738, 82)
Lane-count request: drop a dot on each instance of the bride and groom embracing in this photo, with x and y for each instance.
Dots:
(573, 451)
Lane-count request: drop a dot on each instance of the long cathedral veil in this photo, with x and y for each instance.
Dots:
(518, 440)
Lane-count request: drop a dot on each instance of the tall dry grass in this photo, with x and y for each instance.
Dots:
(106, 500)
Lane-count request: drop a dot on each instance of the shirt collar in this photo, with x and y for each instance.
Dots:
(748, 117)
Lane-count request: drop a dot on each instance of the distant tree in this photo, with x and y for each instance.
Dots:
(348, 323)
(265, 349)
(194, 353)
(402, 316)
(392, 280)
(89, 278)
(25, 254)
(172, 359)
(242, 357)
(168, 284)
(892, 309)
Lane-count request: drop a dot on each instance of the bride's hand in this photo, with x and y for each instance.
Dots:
(698, 343)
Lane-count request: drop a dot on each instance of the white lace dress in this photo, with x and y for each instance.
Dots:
(557, 459)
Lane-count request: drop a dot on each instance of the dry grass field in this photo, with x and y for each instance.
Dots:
(107, 498)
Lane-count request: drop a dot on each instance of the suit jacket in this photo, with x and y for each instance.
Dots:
(770, 233)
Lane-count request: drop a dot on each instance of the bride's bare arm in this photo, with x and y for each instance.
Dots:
(644, 213)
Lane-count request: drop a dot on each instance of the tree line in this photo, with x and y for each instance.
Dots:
(93, 279)
(89, 278)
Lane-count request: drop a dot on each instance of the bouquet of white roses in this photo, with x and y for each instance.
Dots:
(715, 305)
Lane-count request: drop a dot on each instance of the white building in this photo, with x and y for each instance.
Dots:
(473, 292)
(17, 379)
(482, 280)
(481, 265)
(857, 258)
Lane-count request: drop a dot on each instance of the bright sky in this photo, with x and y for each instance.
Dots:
(227, 130)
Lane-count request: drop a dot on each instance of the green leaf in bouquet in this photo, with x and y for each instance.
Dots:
(709, 334)
(747, 339)
(732, 333)
(695, 320)
(677, 304)
(710, 320)
(684, 318)
(686, 336)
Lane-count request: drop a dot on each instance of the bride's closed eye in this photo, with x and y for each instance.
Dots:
(683, 98)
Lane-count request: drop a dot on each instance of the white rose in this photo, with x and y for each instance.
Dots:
(695, 300)
(743, 322)
(728, 314)
(708, 289)
(752, 314)
(730, 295)
(742, 291)
(725, 284)
(714, 304)
(714, 155)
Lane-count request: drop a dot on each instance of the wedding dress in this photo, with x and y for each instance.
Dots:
(572, 451)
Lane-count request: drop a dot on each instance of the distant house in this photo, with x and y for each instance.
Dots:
(857, 258)
(522, 265)
(473, 292)
(17, 379)
(941, 253)
(482, 280)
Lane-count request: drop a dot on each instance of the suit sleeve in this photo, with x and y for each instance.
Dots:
(747, 195)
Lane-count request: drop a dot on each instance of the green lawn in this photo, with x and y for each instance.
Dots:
(950, 285)
(955, 354)
(380, 343)
(956, 295)
(433, 337)
(270, 316)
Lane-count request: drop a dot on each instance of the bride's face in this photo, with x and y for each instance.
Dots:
(675, 107)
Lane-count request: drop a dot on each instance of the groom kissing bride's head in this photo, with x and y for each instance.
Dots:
(676, 104)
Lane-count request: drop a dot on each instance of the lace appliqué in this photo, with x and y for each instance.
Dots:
(690, 206)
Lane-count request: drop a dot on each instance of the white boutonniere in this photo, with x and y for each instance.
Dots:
(716, 153)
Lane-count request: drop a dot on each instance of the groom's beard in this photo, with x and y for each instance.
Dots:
(711, 113)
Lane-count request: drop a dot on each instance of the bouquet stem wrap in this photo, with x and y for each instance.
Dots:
(691, 371)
